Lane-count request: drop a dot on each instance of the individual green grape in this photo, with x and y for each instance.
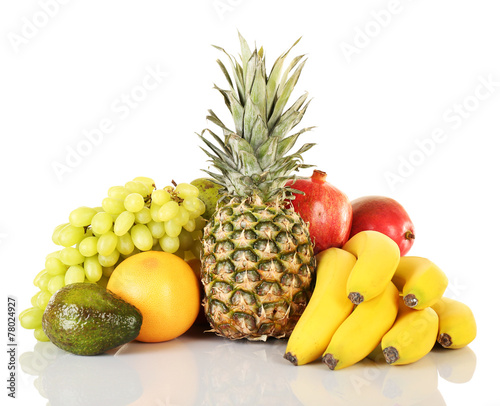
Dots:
(143, 216)
(38, 276)
(54, 266)
(43, 298)
(157, 229)
(118, 192)
(154, 211)
(71, 235)
(71, 256)
(186, 190)
(101, 223)
(55, 234)
(190, 225)
(172, 228)
(109, 260)
(137, 187)
(169, 244)
(160, 197)
(88, 246)
(141, 236)
(43, 281)
(168, 211)
(190, 204)
(125, 245)
(93, 269)
(31, 318)
(124, 222)
(34, 298)
(112, 206)
(54, 254)
(55, 283)
(185, 240)
(40, 335)
(200, 223)
(195, 206)
(106, 243)
(150, 183)
(134, 202)
(74, 274)
(182, 216)
(197, 248)
(82, 216)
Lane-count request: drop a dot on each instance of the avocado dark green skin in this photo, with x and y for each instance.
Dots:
(87, 319)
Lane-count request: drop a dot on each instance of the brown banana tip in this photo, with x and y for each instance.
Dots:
(410, 300)
(445, 340)
(356, 298)
(391, 355)
(292, 358)
(330, 361)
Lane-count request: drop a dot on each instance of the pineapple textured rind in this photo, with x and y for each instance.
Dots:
(257, 269)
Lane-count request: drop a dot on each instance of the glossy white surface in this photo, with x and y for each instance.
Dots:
(202, 369)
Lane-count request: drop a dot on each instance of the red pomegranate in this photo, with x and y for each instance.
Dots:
(326, 209)
(384, 215)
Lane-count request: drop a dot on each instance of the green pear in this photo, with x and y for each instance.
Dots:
(209, 194)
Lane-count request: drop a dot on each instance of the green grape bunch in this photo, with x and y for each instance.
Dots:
(133, 218)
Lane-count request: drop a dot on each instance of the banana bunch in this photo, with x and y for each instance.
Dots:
(370, 302)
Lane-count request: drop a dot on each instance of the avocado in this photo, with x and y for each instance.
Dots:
(209, 194)
(88, 319)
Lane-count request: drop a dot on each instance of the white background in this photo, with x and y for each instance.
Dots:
(384, 77)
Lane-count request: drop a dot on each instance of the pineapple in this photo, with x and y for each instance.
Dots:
(258, 265)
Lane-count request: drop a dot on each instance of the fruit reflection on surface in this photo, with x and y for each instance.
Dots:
(195, 369)
(164, 288)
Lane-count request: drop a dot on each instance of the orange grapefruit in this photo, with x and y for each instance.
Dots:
(164, 288)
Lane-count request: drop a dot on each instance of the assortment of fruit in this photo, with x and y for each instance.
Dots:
(133, 218)
(266, 253)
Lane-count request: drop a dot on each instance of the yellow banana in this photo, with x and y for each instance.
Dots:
(457, 325)
(420, 281)
(412, 336)
(327, 309)
(360, 333)
(378, 257)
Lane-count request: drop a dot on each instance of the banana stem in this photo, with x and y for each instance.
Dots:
(410, 300)
(445, 340)
(330, 361)
(391, 355)
(356, 298)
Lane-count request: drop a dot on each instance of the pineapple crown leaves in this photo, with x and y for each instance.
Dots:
(252, 159)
